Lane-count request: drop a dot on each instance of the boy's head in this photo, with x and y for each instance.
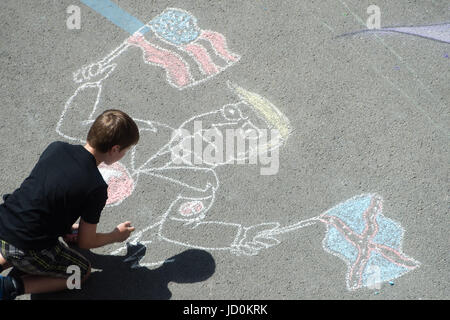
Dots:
(113, 132)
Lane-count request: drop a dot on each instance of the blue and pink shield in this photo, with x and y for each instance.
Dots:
(370, 243)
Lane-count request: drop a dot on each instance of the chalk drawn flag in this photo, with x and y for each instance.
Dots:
(188, 54)
(369, 243)
(173, 41)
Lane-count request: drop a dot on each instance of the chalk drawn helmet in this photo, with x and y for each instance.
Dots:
(251, 118)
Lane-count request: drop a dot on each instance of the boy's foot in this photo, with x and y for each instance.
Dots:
(8, 288)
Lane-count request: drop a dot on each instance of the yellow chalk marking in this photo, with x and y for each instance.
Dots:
(273, 116)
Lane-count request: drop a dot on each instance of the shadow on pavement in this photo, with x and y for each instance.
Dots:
(118, 280)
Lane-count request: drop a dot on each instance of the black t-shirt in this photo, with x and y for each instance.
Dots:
(64, 185)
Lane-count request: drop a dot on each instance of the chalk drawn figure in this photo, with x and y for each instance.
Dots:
(437, 32)
(199, 183)
(174, 42)
(252, 112)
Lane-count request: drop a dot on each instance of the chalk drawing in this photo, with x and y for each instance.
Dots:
(437, 32)
(193, 204)
(169, 41)
(116, 15)
(120, 183)
(363, 237)
(259, 114)
(267, 111)
(356, 230)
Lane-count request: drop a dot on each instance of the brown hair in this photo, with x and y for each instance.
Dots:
(113, 127)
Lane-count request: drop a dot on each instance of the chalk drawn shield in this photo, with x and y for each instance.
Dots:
(370, 243)
(120, 183)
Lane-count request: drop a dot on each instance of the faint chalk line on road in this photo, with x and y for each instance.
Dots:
(412, 71)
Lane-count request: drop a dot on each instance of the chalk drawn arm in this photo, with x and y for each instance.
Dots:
(194, 181)
(79, 110)
(208, 235)
(75, 121)
(81, 106)
(217, 235)
(98, 71)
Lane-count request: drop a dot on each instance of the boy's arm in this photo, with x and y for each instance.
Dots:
(88, 238)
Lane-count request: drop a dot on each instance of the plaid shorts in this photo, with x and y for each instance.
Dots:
(52, 262)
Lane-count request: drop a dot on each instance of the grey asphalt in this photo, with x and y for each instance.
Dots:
(369, 113)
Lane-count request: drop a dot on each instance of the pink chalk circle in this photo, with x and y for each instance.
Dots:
(120, 183)
(191, 208)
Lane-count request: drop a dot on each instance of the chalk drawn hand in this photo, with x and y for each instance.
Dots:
(255, 238)
(93, 73)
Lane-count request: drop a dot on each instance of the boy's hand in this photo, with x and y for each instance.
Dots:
(123, 231)
(88, 238)
(73, 236)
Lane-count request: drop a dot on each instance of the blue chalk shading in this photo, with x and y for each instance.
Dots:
(336, 242)
(351, 212)
(116, 15)
(438, 32)
(389, 233)
(176, 26)
(386, 270)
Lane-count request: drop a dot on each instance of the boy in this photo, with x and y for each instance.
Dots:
(64, 185)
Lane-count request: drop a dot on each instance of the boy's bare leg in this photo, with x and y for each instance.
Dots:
(38, 284)
(43, 284)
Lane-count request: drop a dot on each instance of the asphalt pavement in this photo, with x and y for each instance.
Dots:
(364, 124)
